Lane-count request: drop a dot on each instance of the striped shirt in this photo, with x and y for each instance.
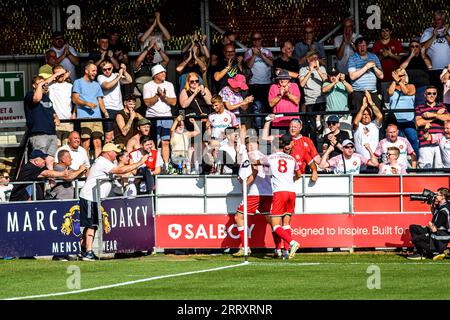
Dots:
(437, 126)
(367, 81)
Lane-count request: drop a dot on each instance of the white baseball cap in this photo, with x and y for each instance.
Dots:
(157, 69)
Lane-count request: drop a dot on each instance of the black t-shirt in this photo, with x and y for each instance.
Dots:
(290, 65)
(39, 116)
(234, 70)
(340, 137)
(29, 172)
(417, 71)
(217, 49)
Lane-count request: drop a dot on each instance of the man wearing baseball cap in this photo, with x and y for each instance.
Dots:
(159, 97)
(34, 170)
(89, 201)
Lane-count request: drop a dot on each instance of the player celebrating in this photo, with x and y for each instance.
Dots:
(285, 171)
(259, 194)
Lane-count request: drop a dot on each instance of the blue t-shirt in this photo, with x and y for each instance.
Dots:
(368, 81)
(89, 92)
(40, 119)
(301, 49)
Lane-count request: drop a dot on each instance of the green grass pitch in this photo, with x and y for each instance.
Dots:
(308, 276)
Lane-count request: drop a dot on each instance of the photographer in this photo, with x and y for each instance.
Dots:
(431, 241)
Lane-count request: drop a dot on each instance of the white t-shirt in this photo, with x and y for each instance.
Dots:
(66, 63)
(159, 41)
(262, 72)
(111, 97)
(283, 168)
(439, 51)
(61, 96)
(313, 88)
(402, 144)
(160, 108)
(219, 122)
(341, 65)
(262, 185)
(366, 134)
(387, 169)
(444, 145)
(79, 156)
(352, 165)
(100, 170)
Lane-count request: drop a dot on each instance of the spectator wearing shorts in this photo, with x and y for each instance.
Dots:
(89, 203)
(87, 96)
(112, 96)
(41, 118)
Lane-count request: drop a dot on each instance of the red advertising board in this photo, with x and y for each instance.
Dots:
(311, 230)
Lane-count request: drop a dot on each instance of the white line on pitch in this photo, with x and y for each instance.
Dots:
(287, 264)
(126, 283)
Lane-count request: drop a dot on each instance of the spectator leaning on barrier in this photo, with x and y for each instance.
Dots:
(112, 95)
(348, 162)
(87, 97)
(60, 94)
(366, 126)
(392, 167)
(89, 201)
(78, 154)
(436, 41)
(364, 68)
(66, 54)
(65, 189)
(434, 115)
(34, 171)
(416, 65)
(402, 94)
(42, 118)
(159, 97)
(150, 168)
(393, 140)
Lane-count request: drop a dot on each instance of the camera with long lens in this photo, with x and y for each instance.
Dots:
(427, 196)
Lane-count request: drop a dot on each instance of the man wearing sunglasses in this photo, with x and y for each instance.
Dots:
(5, 186)
(335, 136)
(430, 118)
(349, 162)
(307, 44)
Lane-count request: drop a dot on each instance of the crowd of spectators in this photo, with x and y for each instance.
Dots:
(380, 109)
